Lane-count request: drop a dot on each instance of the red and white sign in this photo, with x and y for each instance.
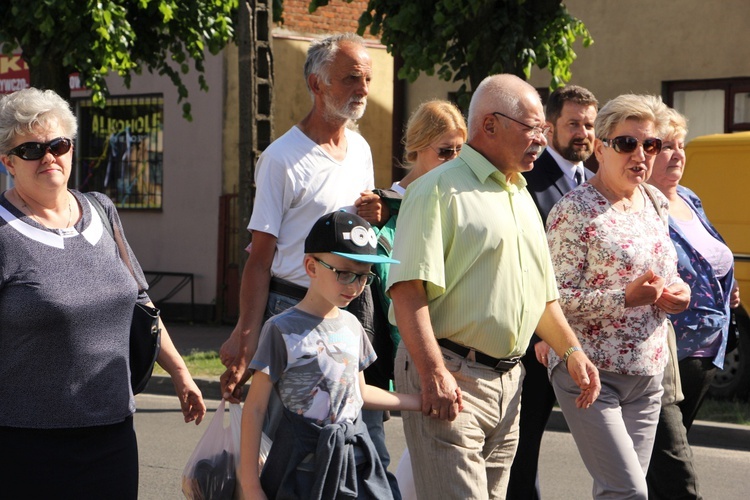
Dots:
(14, 75)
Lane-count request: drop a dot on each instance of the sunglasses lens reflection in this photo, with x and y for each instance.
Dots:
(36, 150)
(625, 144)
(447, 153)
(652, 146)
(628, 144)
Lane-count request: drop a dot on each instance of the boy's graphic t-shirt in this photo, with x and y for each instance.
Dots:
(314, 363)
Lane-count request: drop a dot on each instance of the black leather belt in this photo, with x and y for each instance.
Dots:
(500, 365)
(287, 288)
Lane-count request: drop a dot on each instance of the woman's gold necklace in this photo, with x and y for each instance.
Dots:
(624, 202)
(33, 216)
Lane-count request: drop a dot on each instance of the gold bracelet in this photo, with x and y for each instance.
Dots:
(567, 354)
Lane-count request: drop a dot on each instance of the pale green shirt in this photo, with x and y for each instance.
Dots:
(478, 243)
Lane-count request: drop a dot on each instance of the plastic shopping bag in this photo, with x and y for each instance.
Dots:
(211, 471)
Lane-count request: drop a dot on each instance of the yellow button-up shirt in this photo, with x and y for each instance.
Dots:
(478, 243)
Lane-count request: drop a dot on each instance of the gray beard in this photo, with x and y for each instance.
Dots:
(344, 112)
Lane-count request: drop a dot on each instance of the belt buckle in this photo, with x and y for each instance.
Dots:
(505, 365)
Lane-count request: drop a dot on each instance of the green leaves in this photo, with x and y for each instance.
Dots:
(99, 37)
(464, 40)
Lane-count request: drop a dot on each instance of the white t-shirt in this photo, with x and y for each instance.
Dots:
(297, 182)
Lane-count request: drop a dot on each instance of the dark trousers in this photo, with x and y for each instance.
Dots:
(697, 375)
(671, 473)
(84, 463)
(537, 400)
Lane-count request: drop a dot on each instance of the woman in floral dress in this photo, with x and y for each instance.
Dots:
(616, 270)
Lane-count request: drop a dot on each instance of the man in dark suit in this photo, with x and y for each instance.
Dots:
(570, 113)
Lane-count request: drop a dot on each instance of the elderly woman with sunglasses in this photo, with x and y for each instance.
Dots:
(617, 275)
(66, 303)
(706, 263)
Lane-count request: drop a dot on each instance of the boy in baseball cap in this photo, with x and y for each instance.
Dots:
(313, 355)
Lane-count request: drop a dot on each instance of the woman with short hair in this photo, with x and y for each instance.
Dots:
(66, 304)
(617, 275)
(706, 264)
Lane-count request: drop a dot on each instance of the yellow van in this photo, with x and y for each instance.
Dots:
(718, 170)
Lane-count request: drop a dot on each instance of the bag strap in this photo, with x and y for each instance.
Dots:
(653, 199)
(102, 214)
(115, 236)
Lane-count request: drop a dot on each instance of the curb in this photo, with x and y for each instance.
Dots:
(703, 433)
(161, 385)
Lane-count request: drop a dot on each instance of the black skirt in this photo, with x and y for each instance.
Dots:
(81, 463)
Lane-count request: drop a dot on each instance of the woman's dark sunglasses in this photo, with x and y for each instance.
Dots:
(36, 150)
(445, 154)
(626, 144)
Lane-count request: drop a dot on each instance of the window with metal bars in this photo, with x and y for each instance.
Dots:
(119, 150)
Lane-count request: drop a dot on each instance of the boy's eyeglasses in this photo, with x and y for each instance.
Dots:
(445, 154)
(30, 151)
(348, 277)
(626, 144)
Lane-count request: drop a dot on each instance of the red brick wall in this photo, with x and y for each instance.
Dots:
(336, 17)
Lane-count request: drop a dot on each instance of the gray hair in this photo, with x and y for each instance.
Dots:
(642, 108)
(28, 110)
(321, 53)
(497, 93)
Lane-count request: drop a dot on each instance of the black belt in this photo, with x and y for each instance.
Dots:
(287, 288)
(500, 365)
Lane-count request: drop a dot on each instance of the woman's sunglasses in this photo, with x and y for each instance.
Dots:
(626, 144)
(35, 150)
(445, 154)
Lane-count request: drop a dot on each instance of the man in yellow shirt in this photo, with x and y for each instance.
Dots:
(475, 282)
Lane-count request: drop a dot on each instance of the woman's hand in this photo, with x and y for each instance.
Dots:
(734, 298)
(541, 350)
(191, 399)
(674, 299)
(644, 290)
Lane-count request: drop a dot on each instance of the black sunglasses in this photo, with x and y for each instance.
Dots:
(626, 144)
(349, 277)
(35, 150)
(445, 154)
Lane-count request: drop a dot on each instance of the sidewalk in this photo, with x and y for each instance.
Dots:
(203, 337)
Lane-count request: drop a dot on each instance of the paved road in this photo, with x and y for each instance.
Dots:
(165, 444)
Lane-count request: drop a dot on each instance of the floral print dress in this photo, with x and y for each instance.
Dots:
(597, 251)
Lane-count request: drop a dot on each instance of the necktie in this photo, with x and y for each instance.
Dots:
(578, 177)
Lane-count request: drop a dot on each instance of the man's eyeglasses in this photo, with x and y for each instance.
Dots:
(536, 131)
(348, 277)
(626, 144)
(34, 150)
(445, 154)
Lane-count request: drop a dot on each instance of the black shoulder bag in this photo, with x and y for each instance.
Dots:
(145, 333)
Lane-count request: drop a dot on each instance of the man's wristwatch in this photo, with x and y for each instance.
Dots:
(567, 354)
